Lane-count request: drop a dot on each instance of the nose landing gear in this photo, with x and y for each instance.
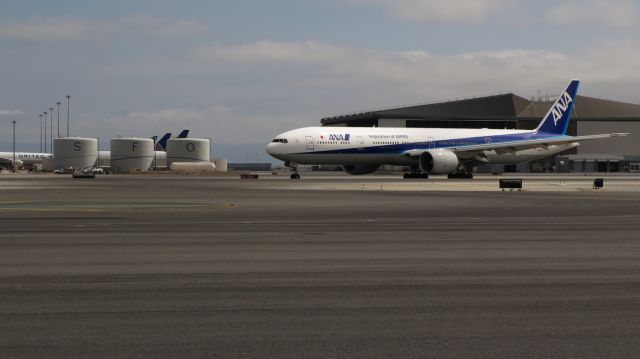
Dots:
(294, 168)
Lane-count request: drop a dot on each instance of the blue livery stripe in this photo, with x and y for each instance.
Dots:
(458, 143)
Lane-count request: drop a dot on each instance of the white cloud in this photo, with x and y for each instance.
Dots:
(68, 28)
(583, 13)
(157, 27)
(612, 14)
(406, 66)
(45, 28)
(282, 71)
(272, 52)
(445, 11)
(12, 113)
(329, 65)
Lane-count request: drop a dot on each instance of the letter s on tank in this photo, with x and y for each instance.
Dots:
(76, 146)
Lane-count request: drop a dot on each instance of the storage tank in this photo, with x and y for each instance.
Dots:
(131, 154)
(188, 150)
(222, 164)
(47, 164)
(76, 152)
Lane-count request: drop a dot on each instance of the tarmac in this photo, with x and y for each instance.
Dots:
(327, 266)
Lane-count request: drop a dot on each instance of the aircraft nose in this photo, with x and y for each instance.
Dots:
(270, 148)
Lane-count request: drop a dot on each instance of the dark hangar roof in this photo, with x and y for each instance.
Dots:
(589, 108)
(498, 107)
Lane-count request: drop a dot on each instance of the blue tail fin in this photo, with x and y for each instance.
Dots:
(161, 145)
(183, 134)
(557, 119)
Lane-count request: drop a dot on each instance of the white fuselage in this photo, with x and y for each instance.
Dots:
(364, 145)
(27, 158)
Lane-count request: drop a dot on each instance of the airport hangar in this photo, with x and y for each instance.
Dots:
(590, 116)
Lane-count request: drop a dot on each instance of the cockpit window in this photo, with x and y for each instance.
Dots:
(281, 140)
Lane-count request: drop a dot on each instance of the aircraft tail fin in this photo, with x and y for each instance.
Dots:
(184, 134)
(161, 145)
(557, 119)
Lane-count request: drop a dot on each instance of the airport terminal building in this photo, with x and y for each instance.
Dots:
(590, 116)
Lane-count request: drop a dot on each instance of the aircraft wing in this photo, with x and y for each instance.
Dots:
(514, 146)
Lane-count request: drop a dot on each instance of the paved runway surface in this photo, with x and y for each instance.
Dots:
(126, 266)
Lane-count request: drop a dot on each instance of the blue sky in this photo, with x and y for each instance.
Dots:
(242, 71)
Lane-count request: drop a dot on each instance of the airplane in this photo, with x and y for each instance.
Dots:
(430, 151)
(22, 158)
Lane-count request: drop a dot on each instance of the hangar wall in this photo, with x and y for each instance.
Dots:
(629, 145)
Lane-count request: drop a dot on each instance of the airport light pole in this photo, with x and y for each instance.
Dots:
(68, 100)
(58, 103)
(155, 160)
(51, 128)
(13, 166)
(40, 115)
(45, 131)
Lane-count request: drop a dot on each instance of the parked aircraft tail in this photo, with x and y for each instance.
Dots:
(184, 134)
(161, 144)
(557, 119)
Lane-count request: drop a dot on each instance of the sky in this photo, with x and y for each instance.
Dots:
(242, 71)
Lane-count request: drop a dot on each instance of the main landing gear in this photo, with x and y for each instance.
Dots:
(294, 168)
(415, 174)
(461, 173)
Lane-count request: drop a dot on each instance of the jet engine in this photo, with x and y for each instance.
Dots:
(438, 162)
(360, 169)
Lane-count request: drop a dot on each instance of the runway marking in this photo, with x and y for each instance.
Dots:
(475, 221)
(79, 207)
(50, 209)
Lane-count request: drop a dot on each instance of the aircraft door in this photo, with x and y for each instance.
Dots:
(309, 143)
(360, 142)
(431, 143)
(488, 140)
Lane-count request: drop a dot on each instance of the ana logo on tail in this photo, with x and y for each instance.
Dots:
(561, 107)
(556, 121)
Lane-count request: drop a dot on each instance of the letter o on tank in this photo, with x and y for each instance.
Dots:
(191, 147)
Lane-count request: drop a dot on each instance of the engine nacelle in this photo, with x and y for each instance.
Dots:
(360, 169)
(438, 162)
